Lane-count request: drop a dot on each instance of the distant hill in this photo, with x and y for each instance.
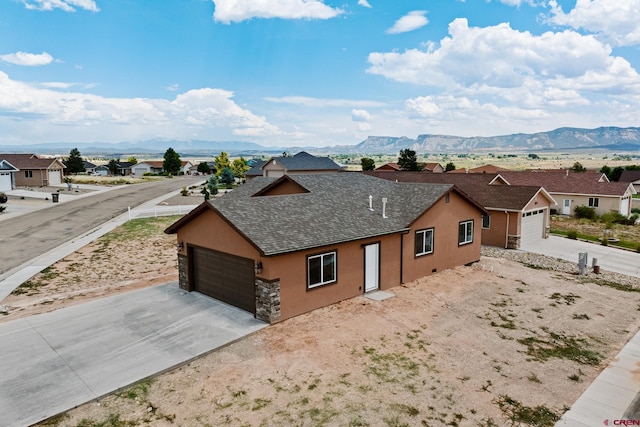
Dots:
(602, 138)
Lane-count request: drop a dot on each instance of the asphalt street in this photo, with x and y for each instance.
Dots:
(33, 234)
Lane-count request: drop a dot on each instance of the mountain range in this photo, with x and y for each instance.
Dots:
(602, 138)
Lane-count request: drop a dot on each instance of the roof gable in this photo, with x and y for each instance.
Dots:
(5, 166)
(31, 161)
(282, 186)
(566, 182)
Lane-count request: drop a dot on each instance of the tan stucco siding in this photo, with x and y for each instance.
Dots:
(605, 203)
(208, 230)
(444, 218)
(496, 234)
(291, 269)
(284, 187)
(39, 178)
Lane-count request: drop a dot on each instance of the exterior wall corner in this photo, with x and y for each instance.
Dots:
(268, 300)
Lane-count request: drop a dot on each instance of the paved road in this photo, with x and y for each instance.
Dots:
(52, 362)
(28, 236)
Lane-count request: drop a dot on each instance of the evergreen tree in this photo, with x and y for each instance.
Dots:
(450, 167)
(239, 167)
(227, 178)
(607, 171)
(132, 160)
(368, 164)
(577, 167)
(113, 166)
(222, 162)
(212, 185)
(74, 162)
(408, 161)
(171, 163)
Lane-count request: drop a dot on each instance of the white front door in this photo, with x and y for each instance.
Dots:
(371, 267)
(566, 207)
(624, 206)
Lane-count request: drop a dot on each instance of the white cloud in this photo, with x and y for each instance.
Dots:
(360, 115)
(411, 21)
(28, 59)
(66, 85)
(227, 11)
(66, 5)
(615, 21)
(323, 102)
(174, 87)
(200, 111)
(364, 3)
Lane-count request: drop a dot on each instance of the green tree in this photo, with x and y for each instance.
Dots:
(212, 185)
(132, 160)
(367, 163)
(607, 171)
(74, 162)
(408, 160)
(227, 178)
(222, 162)
(113, 166)
(449, 167)
(172, 162)
(239, 167)
(533, 156)
(616, 172)
(577, 167)
(203, 167)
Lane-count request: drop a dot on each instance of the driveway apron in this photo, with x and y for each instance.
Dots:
(52, 362)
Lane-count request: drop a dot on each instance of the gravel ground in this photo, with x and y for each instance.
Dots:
(544, 262)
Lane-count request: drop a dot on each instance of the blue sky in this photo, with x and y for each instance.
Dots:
(312, 72)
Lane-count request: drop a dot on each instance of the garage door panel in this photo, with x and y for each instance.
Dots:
(225, 277)
(532, 227)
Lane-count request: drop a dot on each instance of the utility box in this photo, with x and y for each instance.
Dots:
(583, 259)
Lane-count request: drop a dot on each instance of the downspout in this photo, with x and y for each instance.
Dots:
(402, 256)
(506, 237)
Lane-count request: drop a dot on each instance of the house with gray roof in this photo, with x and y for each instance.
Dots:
(280, 247)
(7, 175)
(301, 163)
(632, 176)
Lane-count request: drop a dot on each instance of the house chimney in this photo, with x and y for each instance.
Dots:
(370, 202)
(384, 207)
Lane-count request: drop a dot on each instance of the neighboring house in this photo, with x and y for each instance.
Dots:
(89, 167)
(124, 168)
(571, 189)
(35, 171)
(157, 167)
(491, 169)
(516, 215)
(633, 177)
(193, 169)
(395, 167)
(301, 163)
(282, 247)
(7, 175)
(102, 170)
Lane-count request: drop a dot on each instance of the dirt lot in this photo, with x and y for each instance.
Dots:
(486, 345)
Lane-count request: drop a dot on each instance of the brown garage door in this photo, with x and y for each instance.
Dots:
(225, 277)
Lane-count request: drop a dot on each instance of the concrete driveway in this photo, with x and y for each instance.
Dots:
(53, 362)
(610, 259)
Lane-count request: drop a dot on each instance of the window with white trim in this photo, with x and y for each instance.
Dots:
(465, 232)
(593, 202)
(321, 269)
(28, 174)
(424, 242)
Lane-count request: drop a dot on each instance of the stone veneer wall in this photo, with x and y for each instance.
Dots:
(268, 300)
(183, 272)
(513, 242)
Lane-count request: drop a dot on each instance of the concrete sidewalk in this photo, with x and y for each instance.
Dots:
(610, 259)
(55, 361)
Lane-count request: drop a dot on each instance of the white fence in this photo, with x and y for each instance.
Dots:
(157, 211)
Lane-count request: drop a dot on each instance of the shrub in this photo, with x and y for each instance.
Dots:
(605, 241)
(2, 209)
(585, 212)
(572, 234)
(635, 210)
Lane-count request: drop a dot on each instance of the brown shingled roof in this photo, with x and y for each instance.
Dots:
(567, 182)
(29, 161)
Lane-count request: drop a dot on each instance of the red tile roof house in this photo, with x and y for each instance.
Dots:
(428, 167)
(301, 163)
(35, 171)
(517, 215)
(571, 189)
(282, 247)
(480, 169)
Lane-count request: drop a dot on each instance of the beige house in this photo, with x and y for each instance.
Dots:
(35, 171)
(282, 247)
(571, 189)
(301, 163)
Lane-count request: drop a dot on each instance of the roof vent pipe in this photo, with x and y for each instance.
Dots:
(370, 202)
(384, 207)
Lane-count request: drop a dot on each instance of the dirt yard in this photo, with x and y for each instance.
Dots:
(493, 344)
